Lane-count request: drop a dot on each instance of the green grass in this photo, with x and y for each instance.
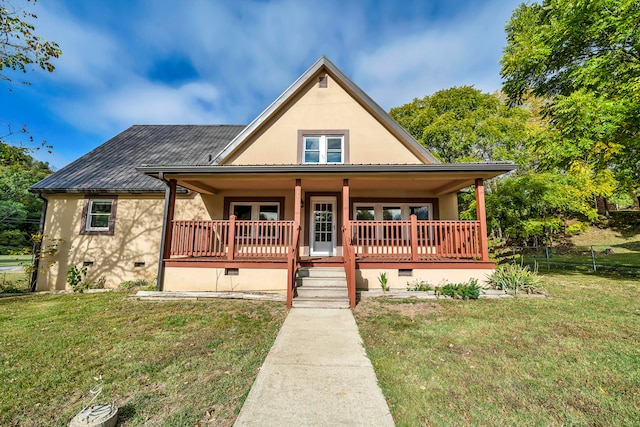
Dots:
(13, 282)
(170, 364)
(10, 260)
(570, 359)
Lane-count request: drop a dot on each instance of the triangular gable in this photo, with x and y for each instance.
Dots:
(356, 93)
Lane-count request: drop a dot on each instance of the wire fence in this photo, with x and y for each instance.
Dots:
(596, 258)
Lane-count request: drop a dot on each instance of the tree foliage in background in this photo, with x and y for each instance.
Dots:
(530, 206)
(462, 124)
(20, 48)
(584, 57)
(19, 209)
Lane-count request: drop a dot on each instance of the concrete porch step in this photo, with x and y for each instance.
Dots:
(320, 302)
(322, 282)
(326, 272)
(322, 292)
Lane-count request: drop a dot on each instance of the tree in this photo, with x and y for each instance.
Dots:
(529, 206)
(462, 124)
(20, 48)
(584, 57)
(19, 208)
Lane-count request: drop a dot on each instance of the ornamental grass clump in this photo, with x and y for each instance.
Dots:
(464, 290)
(516, 278)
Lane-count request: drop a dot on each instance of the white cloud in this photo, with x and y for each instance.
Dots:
(464, 51)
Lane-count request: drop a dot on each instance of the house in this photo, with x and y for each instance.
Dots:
(323, 177)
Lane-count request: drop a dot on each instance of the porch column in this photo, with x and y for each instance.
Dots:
(345, 203)
(167, 230)
(347, 251)
(292, 258)
(481, 216)
(297, 202)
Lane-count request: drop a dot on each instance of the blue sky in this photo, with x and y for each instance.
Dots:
(128, 62)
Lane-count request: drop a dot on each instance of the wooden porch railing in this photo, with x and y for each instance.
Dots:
(232, 239)
(415, 240)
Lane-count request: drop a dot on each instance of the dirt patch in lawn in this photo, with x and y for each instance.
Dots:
(406, 307)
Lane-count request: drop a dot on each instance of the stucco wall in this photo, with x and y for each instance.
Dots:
(136, 238)
(214, 279)
(368, 278)
(323, 109)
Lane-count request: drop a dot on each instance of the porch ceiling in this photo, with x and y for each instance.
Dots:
(436, 185)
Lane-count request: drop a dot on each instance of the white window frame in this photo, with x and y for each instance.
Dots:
(255, 208)
(88, 226)
(378, 208)
(323, 149)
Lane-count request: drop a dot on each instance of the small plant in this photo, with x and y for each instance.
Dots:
(76, 279)
(513, 277)
(464, 290)
(382, 278)
(419, 286)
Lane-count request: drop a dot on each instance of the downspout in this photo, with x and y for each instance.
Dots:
(167, 197)
(37, 246)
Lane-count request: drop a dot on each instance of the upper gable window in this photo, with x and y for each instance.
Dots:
(98, 216)
(323, 149)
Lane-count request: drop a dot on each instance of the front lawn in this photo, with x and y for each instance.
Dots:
(570, 359)
(170, 364)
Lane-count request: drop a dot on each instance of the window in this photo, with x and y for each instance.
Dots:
(261, 211)
(264, 211)
(98, 215)
(323, 149)
(392, 212)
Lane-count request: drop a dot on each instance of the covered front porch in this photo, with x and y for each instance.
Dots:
(364, 220)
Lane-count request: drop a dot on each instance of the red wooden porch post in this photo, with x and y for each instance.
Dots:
(297, 202)
(414, 237)
(292, 259)
(481, 215)
(231, 243)
(347, 253)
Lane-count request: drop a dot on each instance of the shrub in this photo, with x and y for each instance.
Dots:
(77, 279)
(513, 277)
(464, 290)
(419, 286)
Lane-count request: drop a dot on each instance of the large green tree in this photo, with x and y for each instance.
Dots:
(583, 56)
(529, 206)
(19, 208)
(463, 124)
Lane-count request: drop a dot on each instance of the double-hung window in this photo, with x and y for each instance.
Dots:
(99, 215)
(323, 149)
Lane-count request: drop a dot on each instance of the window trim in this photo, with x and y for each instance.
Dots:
(84, 226)
(344, 133)
(394, 201)
(228, 201)
(378, 208)
(255, 208)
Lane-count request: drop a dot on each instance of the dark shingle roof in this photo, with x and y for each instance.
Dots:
(111, 166)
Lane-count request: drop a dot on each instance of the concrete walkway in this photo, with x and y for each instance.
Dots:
(316, 374)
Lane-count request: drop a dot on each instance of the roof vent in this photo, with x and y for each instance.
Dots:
(322, 82)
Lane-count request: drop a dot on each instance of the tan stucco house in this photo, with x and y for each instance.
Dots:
(323, 177)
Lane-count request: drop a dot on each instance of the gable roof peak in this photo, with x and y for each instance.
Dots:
(356, 92)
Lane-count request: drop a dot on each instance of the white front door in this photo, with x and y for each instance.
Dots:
(323, 226)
